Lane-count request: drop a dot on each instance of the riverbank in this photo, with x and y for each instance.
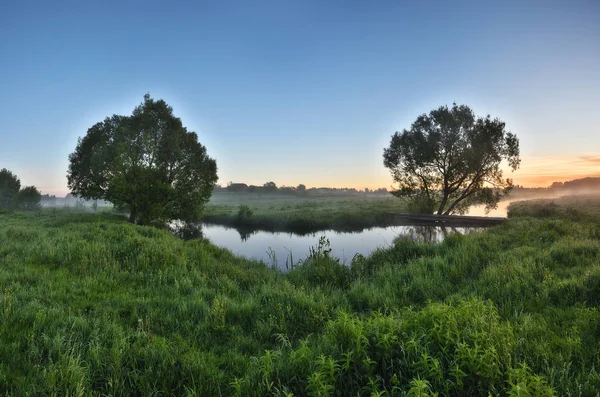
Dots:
(90, 304)
(302, 215)
(583, 207)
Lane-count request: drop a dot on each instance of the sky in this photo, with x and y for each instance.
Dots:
(300, 91)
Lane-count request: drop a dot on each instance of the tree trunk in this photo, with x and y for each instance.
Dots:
(443, 204)
(466, 193)
(133, 215)
(454, 204)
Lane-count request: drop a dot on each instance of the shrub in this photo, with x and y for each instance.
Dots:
(244, 212)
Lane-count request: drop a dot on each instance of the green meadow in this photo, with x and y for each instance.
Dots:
(93, 305)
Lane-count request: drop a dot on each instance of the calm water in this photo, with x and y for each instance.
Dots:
(277, 248)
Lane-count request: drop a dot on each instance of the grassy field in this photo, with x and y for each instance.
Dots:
(576, 207)
(92, 305)
(301, 214)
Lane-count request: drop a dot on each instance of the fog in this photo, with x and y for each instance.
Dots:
(231, 198)
(72, 202)
(530, 194)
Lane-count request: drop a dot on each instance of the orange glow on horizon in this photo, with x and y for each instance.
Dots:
(534, 172)
(547, 180)
(542, 171)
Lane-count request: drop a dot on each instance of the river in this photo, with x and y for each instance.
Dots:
(281, 249)
(284, 249)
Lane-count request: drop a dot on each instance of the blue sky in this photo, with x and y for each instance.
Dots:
(300, 92)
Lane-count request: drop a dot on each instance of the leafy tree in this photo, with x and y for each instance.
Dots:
(450, 159)
(29, 198)
(270, 186)
(9, 188)
(301, 188)
(287, 189)
(148, 163)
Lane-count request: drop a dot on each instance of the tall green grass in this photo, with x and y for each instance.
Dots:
(92, 305)
(584, 207)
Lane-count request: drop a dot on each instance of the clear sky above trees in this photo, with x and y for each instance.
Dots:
(301, 92)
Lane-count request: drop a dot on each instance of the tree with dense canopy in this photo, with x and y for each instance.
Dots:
(12, 196)
(450, 159)
(270, 186)
(9, 189)
(29, 198)
(148, 163)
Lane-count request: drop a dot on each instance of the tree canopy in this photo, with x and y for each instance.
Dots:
(29, 198)
(9, 189)
(270, 186)
(147, 162)
(12, 196)
(451, 159)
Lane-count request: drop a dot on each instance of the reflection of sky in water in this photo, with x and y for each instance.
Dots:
(263, 245)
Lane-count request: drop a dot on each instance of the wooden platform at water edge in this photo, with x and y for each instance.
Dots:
(446, 220)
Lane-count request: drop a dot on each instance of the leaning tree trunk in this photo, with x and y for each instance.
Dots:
(443, 204)
(466, 193)
(133, 215)
(453, 205)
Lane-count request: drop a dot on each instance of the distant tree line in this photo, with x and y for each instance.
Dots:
(579, 184)
(12, 196)
(301, 189)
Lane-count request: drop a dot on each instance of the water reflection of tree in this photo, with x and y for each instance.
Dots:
(432, 234)
(429, 234)
(245, 232)
(187, 231)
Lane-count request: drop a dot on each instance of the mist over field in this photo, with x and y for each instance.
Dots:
(274, 199)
